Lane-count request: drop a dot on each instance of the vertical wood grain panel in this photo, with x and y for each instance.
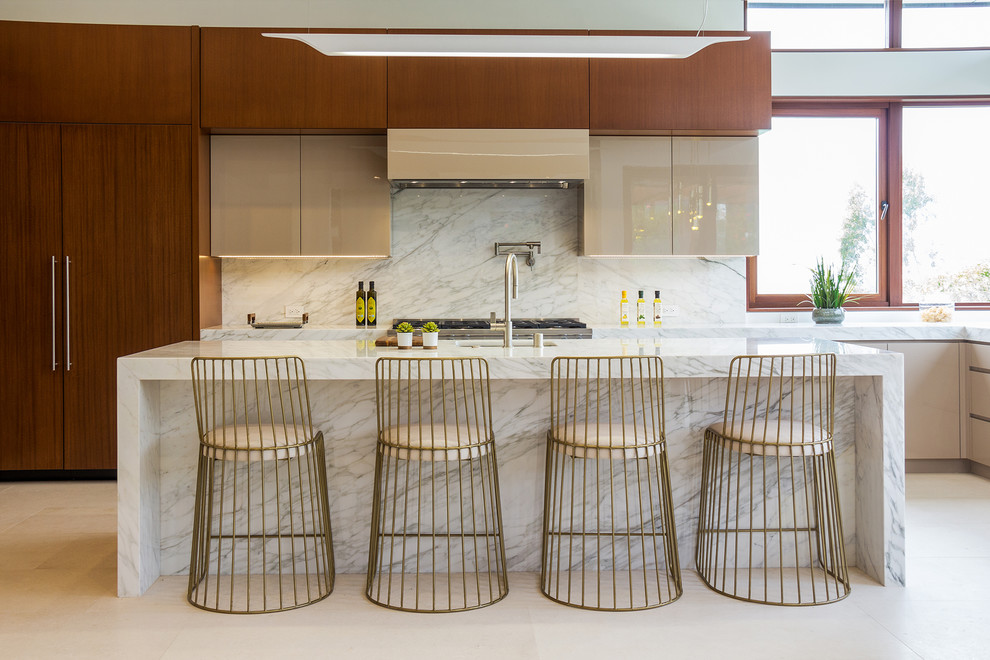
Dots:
(723, 88)
(488, 92)
(60, 72)
(251, 81)
(88, 209)
(127, 229)
(30, 235)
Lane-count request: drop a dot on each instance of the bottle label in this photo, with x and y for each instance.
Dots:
(624, 313)
(360, 310)
(657, 314)
(372, 311)
(641, 314)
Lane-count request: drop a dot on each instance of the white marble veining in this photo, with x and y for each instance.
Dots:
(157, 438)
(976, 331)
(443, 265)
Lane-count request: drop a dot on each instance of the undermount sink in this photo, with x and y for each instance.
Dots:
(498, 343)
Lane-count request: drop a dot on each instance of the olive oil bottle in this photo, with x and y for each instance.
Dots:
(640, 311)
(360, 306)
(657, 310)
(624, 311)
(372, 305)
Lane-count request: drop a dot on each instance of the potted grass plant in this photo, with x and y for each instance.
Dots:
(431, 333)
(830, 291)
(404, 335)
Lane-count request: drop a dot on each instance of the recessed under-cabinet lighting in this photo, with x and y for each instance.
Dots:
(506, 45)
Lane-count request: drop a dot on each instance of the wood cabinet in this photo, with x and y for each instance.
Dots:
(487, 92)
(672, 196)
(290, 195)
(251, 81)
(112, 206)
(31, 267)
(723, 89)
(62, 72)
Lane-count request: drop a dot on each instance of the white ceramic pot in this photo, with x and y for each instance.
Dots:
(404, 339)
(430, 339)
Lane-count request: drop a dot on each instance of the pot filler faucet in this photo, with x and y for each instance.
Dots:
(512, 278)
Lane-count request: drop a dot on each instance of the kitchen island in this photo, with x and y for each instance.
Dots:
(157, 441)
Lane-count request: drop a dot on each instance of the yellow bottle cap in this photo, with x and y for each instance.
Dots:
(623, 294)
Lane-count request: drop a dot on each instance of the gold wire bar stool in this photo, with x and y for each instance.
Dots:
(436, 530)
(770, 528)
(608, 520)
(261, 527)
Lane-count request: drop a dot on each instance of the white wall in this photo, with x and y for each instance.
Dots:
(881, 73)
(602, 14)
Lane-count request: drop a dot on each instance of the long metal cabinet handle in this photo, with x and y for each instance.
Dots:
(54, 353)
(68, 336)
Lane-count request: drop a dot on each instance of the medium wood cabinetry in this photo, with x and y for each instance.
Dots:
(104, 273)
(62, 72)
(724, 89)
(251, 81)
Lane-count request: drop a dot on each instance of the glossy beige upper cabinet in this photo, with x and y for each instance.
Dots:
(346, 206)
(299, 196)
(655, 196)
(627, 197)
(254, 195)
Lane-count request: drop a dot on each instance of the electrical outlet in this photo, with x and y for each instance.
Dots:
(294, 311)
(788, 318)
(670, 310)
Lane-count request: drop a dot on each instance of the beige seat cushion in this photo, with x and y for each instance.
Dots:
(252, 442)
(782, 437)
(583, 440)
(436, 442)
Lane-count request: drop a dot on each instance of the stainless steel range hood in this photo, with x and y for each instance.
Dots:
(487, 158)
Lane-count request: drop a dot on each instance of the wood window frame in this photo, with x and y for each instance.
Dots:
(888, 182)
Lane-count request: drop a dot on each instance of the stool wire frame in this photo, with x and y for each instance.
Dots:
(770, 525)
(609, 541)
(261, 530)
(436, 532)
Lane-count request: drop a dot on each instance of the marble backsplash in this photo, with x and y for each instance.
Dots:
(443, 265)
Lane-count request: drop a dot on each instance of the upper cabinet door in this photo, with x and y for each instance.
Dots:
(723, 89)
(657, 196)
(290, 195)
(254, 195)
(487, 92)
(715, 196)
(627, 197)
(105, 74)
(346, 205)
(250, 81)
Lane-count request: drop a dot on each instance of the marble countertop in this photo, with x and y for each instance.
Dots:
(354, 359)
(874, 331)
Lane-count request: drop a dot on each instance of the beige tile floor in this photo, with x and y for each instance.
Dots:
(57, 582)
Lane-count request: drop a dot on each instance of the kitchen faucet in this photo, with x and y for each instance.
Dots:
(511, 273)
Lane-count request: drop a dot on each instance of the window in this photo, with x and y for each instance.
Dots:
(946, 224)
(820, 178)
(893, 187)
(953, 24)
(813, 25)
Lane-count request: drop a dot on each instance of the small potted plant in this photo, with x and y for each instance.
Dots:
(431, 332)
(404, 335)
(829, 292)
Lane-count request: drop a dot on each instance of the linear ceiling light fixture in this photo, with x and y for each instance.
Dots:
(504, 45)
